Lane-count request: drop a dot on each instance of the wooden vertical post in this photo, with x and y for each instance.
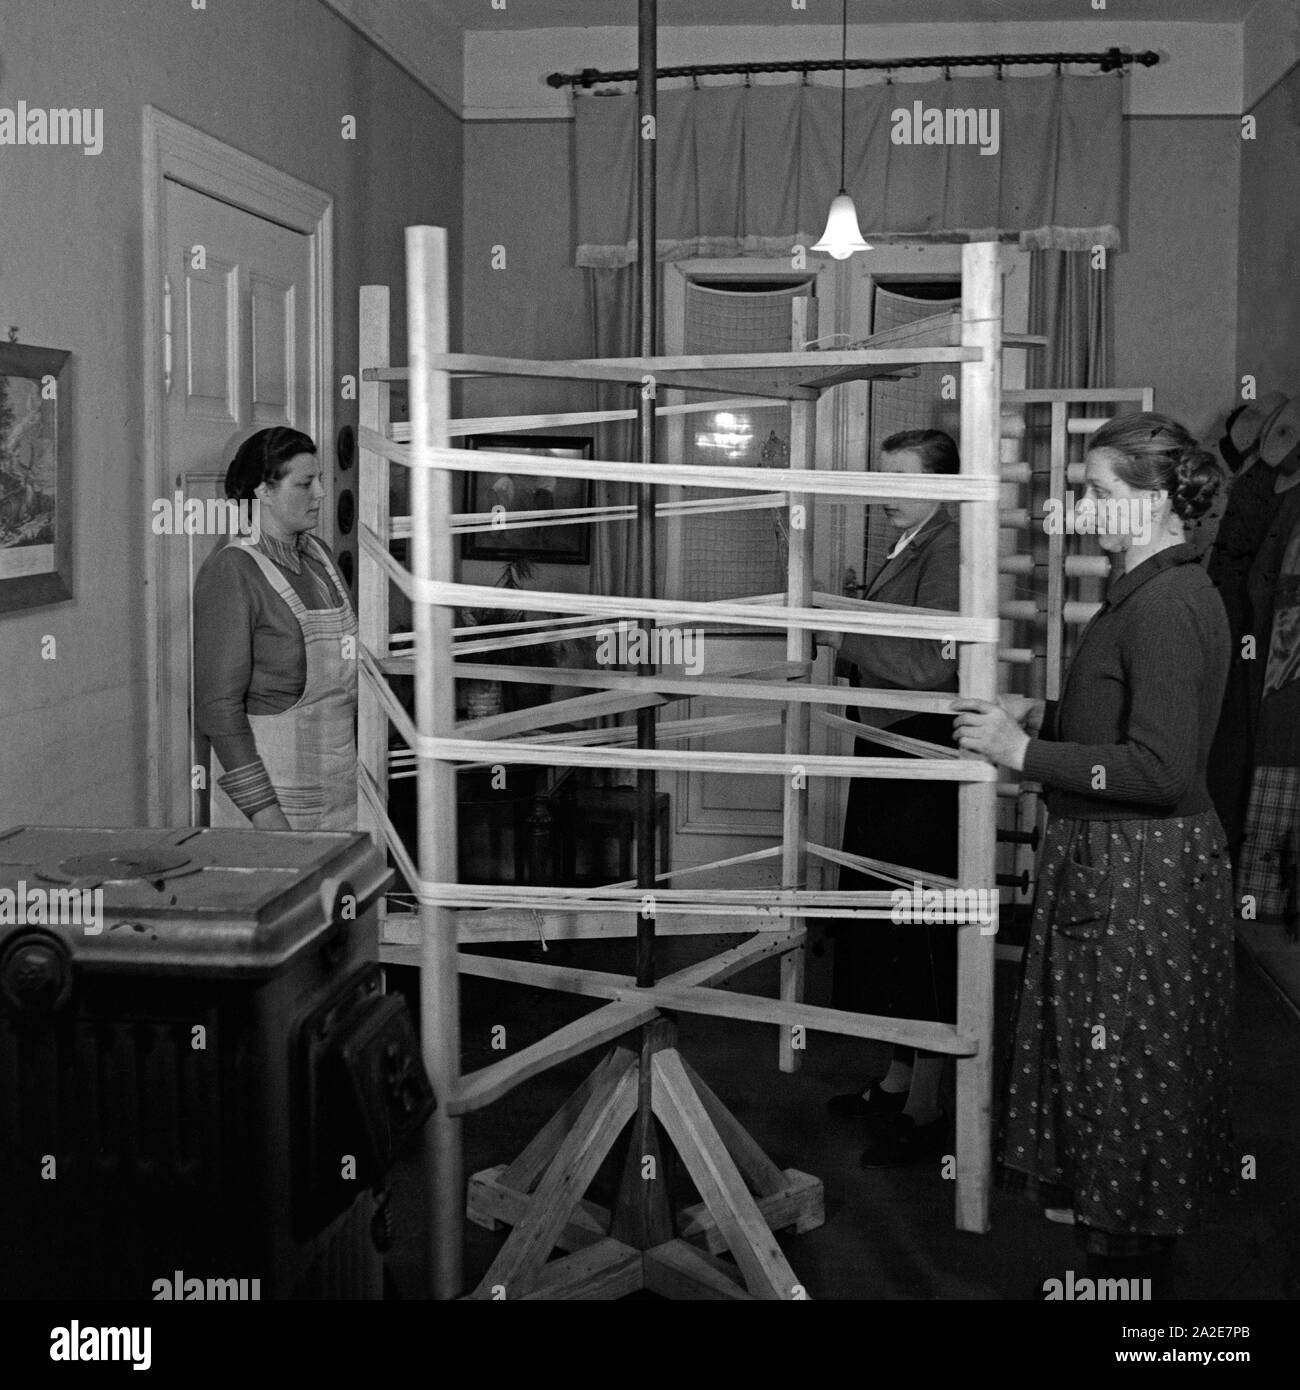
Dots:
(372, 582)
(799, 588)
(435, 715)
(1055, 636)
(981, 392)
(647, 95)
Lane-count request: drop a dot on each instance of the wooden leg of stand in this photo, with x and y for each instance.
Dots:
(763, 1266)
(642, 1216)
(523, 1174)
(611, 1105)
(790, 1057)
(679, 1270)
(764, 1176)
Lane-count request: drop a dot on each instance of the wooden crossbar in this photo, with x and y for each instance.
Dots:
(718, 1003)
(932, 487)
(962, 769)
(632, 369)
(482, 1087)
(501, 424)
(922, 747)
(477, 523)
(913, 701)
(874, 621)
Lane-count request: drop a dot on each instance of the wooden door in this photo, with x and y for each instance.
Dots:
(238, 308)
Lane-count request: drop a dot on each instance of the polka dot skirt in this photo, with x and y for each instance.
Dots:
(1117, 1089)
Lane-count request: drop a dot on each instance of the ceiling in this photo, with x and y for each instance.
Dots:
(583, 14)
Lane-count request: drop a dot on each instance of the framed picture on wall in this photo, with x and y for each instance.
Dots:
(35, 479)
(515, 493)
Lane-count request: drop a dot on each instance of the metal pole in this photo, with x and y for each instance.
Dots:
(647, 106)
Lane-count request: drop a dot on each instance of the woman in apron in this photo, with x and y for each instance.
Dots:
(275, 652)
(1117, 1090)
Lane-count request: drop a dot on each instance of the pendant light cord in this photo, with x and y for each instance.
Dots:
(844, 80)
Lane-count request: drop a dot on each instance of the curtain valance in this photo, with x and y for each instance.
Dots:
(752, 170)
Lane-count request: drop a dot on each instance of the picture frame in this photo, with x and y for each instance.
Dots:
(35, 478)
(554, 545)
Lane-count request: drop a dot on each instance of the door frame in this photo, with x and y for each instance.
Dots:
(186, 155)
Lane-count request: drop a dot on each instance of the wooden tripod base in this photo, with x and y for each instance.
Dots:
(541, 1195)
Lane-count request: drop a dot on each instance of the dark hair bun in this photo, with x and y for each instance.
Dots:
(1198, 477)
(264, 458)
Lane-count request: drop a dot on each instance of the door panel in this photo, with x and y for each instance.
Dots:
(211, 351)
(273, 308)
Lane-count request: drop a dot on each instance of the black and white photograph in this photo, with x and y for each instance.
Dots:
(754, 749)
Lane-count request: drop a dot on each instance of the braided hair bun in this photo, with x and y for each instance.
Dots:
(1199, 477)
(1156, 453)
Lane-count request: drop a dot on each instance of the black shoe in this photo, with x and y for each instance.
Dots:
(903, 1141)
(876, 1102)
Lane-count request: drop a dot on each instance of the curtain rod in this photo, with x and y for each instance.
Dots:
(1112, 60)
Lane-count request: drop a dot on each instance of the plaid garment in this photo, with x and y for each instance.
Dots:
(1268, 868)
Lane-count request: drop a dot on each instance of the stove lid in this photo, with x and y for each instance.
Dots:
(190, 900)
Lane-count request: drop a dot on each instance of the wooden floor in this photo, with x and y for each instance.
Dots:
(890, 1235)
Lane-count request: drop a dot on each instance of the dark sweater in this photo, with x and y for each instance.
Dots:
(1141, 699)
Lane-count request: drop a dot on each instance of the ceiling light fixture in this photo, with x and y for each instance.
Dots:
(842, 236)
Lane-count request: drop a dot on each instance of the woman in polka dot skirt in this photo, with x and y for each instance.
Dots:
(1117, 1092)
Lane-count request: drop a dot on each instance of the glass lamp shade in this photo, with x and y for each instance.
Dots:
(842, 236)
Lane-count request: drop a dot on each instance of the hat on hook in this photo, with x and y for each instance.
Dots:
(1249, 424)
(1281, 435)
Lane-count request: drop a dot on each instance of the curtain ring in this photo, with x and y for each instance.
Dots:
(695, 78)
(999, 72)
(889, 77)
(1058, 67)
(749, 72)
(947, 73)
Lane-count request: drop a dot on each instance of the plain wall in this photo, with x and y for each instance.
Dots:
(270, 77)
(1175, 287)
(524, 296)
(1268, 336)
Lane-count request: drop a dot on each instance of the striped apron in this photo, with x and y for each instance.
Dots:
(310, 749)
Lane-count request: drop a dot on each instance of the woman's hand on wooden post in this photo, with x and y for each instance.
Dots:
(832, 640)
(987, 729)
(1026, 712)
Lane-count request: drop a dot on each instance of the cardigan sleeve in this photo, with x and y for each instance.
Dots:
(1156, 760)
(908, 663)
(224, 619)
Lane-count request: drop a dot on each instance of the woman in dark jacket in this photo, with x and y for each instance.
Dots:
(1117, 1090)
(903, 970)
